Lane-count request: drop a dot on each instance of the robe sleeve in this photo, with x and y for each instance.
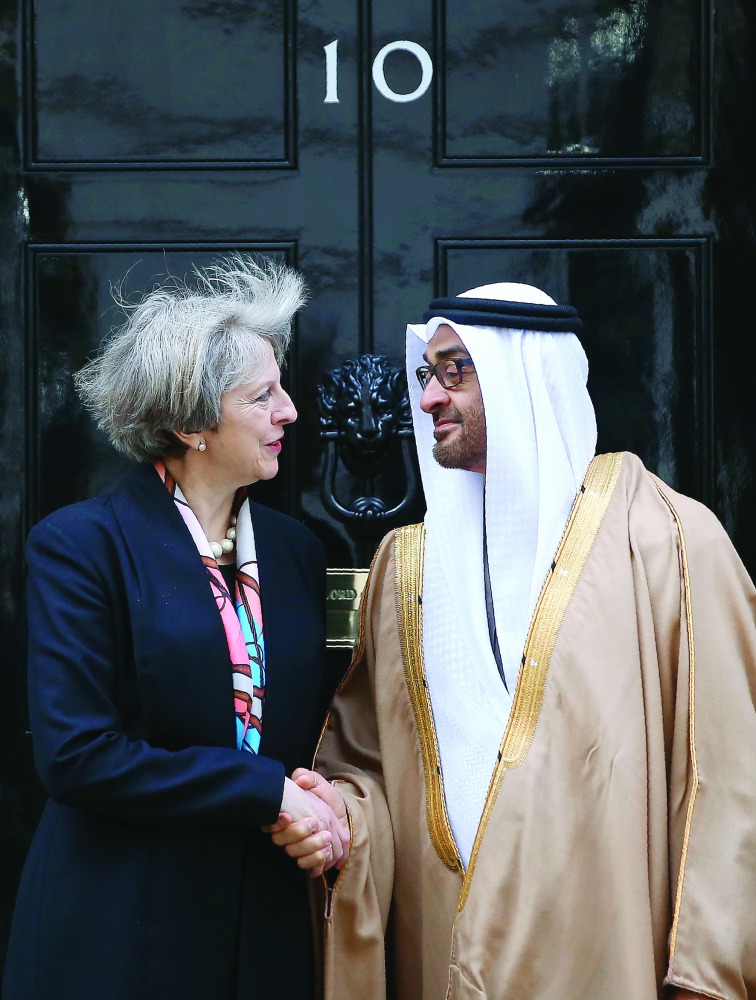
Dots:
(357, 906)
(713, 775)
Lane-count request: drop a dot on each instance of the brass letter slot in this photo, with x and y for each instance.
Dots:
(343, 595)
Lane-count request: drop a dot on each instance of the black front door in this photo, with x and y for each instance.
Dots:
(392, 152)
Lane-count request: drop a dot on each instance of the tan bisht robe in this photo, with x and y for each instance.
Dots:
(617, 848)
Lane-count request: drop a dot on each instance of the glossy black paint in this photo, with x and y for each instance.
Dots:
(366, 432)
(600, 148)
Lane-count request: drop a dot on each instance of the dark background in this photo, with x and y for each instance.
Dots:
(596, 148)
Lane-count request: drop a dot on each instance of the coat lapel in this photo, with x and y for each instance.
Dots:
(284, 676)
(180, 648)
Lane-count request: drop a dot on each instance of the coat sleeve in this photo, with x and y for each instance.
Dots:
(713, 775)
(83, 754)
(357, 906)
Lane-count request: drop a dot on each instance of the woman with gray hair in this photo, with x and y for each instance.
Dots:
(177, 672)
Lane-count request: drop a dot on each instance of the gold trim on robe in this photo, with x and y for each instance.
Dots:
(691, 720)
(410, 548)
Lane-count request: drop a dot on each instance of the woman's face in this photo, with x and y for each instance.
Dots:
(246, 444)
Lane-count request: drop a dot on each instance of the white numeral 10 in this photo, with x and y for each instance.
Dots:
(379, 79)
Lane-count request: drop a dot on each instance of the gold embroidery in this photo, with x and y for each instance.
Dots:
(577, 540)
(409, 550)
(691, 719)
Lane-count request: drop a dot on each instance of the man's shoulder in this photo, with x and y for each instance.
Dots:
(655, 505)
(408, 540)
(396, 549)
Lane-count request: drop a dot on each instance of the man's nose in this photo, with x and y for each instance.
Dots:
(434, 395)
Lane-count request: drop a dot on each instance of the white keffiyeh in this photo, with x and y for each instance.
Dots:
(541, 436)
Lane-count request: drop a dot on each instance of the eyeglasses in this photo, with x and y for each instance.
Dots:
(448, 372)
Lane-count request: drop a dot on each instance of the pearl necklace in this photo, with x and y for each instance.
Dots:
(225, 544)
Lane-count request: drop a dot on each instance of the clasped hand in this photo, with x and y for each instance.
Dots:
(312, 826)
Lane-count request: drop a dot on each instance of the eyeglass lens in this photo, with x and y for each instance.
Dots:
(448, 372)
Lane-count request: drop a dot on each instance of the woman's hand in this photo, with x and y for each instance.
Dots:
(312, 826)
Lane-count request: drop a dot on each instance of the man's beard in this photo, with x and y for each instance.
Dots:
(467, 447)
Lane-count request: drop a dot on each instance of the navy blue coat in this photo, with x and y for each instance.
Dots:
(148, 876)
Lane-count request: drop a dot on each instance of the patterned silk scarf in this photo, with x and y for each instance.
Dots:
(241, 616)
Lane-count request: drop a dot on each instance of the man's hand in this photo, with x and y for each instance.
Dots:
(319, 838)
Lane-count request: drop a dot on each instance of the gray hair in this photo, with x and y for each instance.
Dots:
(182, 347)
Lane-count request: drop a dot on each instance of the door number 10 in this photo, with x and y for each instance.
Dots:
(379, 79)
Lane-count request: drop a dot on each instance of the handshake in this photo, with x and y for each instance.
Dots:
(312, 826)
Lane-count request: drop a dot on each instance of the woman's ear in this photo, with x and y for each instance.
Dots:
(194, 440)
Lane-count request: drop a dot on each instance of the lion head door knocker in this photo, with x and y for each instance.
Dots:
(365, 420)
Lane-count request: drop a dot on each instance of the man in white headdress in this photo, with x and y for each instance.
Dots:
(546, 741)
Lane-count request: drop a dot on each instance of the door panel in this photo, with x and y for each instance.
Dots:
(574, 83)
(184, 84)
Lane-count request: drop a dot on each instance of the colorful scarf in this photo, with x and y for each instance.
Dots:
(241, 617)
